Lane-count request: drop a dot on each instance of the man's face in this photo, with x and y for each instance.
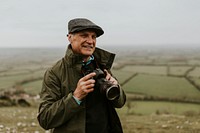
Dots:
(83, 42)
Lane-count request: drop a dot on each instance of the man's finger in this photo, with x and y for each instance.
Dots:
(108, 76)
(89, 76)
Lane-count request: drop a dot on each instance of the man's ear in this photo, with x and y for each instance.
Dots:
(69, 36)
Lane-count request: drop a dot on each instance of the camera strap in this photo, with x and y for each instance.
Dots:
(89, 66)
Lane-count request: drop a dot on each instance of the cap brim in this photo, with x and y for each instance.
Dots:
(96, 29)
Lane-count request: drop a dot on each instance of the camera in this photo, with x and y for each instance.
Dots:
(111, 91)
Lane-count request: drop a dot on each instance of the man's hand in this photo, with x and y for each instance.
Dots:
(110, 78)
(84, 86)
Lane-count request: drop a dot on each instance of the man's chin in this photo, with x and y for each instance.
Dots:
(88, 53)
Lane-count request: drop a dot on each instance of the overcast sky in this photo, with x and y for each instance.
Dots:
(43, 23)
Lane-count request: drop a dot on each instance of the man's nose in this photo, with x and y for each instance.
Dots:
(90, 39)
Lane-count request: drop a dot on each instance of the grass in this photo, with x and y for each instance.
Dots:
(195, 72)
(14, 72)
(162, 86)
(178, 70)
(148, 108)
(158, 70)
(196, 80)
(160, 117)
(9, 81)
(33, 87)
(160, 124)
(18, 119)
(122, 75)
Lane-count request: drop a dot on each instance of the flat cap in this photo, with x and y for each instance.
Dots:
(79, 24)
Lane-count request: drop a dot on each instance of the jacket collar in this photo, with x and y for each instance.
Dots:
(103, 57)
(72, 58)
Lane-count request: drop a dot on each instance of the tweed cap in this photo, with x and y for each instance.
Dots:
(79, 24)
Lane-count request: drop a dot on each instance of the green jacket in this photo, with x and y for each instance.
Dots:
(58, 109)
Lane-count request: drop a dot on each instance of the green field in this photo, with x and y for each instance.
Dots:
(122, 75)
(149, 108)
(162, 86)
(33, 87)
(196, 80)
(195, 72)
(178, 70)
(158, 70)
(11, 80)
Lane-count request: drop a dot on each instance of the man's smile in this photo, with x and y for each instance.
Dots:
(88, 46)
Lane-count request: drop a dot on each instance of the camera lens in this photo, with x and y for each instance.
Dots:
(112, 92)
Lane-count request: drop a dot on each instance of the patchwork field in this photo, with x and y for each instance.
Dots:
(162, 87)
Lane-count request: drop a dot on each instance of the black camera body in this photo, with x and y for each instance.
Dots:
(107, 88)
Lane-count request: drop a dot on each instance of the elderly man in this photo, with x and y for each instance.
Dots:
(79, 93)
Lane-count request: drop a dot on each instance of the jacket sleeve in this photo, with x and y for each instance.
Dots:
(121, 100)
(55, 110)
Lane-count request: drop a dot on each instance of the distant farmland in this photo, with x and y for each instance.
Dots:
(158, 81)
